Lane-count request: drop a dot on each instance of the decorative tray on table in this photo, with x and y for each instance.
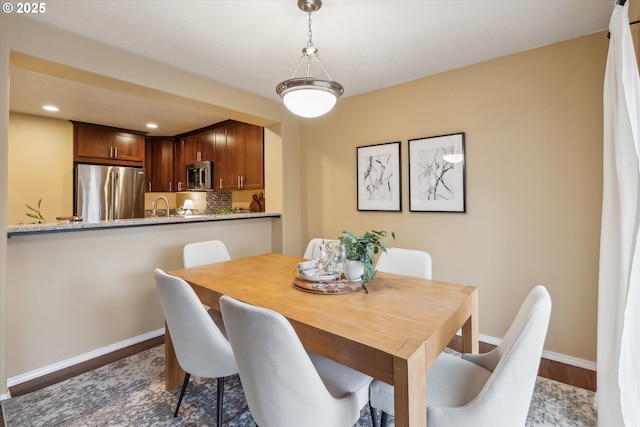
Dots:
(310, 278)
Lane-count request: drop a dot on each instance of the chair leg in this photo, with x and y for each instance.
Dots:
(384, 419)
(374, 416)
(185, 383)
(220, 400)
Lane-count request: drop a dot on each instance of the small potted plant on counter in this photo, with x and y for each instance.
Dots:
(361, 251)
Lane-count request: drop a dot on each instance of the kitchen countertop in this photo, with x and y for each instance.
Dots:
(57, 227)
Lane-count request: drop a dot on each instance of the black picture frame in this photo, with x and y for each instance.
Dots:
(437, 173)
(379, 177)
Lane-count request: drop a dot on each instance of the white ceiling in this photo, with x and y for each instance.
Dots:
(252, 45)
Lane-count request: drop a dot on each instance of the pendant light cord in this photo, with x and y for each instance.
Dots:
(310, 42)
(309, 53)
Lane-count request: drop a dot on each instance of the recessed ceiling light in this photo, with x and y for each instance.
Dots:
(152, 126)
(51, 108)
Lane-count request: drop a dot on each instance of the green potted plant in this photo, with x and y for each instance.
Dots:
(361, 251)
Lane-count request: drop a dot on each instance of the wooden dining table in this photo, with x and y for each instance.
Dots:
(392, 333)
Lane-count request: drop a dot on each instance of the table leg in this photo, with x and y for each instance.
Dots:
(470, 327)
(173, 373)
(410, 385)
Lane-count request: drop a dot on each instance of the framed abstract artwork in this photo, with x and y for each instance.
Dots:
(437, 174)
(379, 177)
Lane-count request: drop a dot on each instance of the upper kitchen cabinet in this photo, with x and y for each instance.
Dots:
(159, 164)
(238, 156)
(236, 150)
(197, 147)
(253, 159)
(194, 147)
(107, 145)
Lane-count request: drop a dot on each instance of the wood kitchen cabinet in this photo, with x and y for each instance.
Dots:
(190, 148)
(253, 158)
(228, 144)
(219, 152)
(238, 156)
(236, 150)
(197, 147)
(159, 164)
(107, 145)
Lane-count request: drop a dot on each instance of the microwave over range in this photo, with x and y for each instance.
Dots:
(200, 176)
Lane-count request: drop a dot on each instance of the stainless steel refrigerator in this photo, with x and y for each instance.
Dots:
(108, 192)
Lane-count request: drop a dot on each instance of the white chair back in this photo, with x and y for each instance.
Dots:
(489, 389)
(202, 253)
(409, 262)
(506, 396)
(313, 248)
(201, 349)
(281, 384)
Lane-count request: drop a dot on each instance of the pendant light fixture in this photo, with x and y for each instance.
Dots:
(309, 96)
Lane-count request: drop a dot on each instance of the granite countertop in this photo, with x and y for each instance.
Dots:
(56, 227)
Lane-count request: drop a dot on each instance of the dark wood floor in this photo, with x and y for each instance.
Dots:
(567, 374)
(80, 368)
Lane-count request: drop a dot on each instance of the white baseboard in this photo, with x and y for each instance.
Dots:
(550, 355)
(45, 370)
(66, 363)
(570, 360)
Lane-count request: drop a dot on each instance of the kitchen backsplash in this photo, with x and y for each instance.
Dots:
(207, 202)
(217, 200)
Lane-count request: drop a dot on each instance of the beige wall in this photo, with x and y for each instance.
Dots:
(533, 124)
(68, 56)
(71, 295)
(45, 49)
(40, 167)
(533, 132)
(4, 126)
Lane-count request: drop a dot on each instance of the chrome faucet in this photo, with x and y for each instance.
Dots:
(155, 205)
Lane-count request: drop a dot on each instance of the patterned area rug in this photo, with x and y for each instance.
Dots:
(131, 392)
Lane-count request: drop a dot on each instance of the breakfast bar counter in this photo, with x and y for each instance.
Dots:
(95, 286)
(57, 227)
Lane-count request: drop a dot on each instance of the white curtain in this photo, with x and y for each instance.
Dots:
(618, 394)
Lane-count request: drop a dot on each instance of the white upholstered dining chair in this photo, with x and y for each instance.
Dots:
(202, 253)
(200, 346)
(489, 389)
(284, 385)
(313, 247)
(409, 262)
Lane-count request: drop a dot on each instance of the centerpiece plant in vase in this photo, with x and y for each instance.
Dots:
(361, 252)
